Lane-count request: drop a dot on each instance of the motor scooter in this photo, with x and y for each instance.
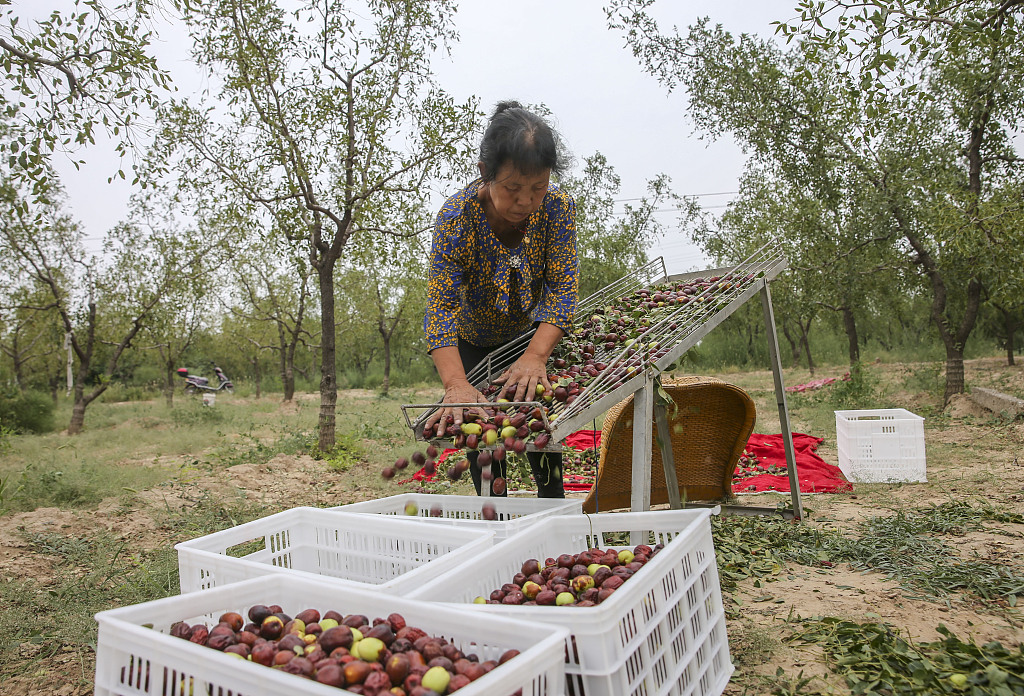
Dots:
(194, 384)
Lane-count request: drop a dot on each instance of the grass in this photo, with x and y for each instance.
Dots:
(135, 446)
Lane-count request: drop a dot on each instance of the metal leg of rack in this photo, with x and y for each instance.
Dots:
(668, 463)
(780, 397)
(640, 500)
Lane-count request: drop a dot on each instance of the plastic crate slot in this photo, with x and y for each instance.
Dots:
(182, 684)
(679, 647)
(696, 625)
(650, 607)
(574, 685)
(660, 672)
(640, 690)
(709, 608)
(654, 640)
(572, 653)
(282, 561)
(674, 617)
(129, 674)
(627, 627)
(705, 581)
(246, 548)
(279, 541)
(685, 678)
(718, 660)
(634, 667)
(669, 584)
(705, 683)
(691, 596)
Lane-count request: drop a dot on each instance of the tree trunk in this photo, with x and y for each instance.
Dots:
(794, 346)
(953, 340)
(288, 379)
(850, 324)
(387, 366)
(806, 343)
(954, 371)
(18, 365)
(257, 375)
(169, 389)
(1010, 326)
(328, 355)
(78, 410)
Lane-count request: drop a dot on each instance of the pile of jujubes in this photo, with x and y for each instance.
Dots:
(582, 579)
(382, 657)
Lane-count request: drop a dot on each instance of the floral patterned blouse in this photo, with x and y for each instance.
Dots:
(486, 294)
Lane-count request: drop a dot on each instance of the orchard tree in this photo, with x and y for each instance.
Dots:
(272, 287)
(71, 73)
(839, 249)
(324, 107)
(29, 329)
(249, 340)
(103, 302)
(611, 245)
(177, 320)
(390, 270)
(924, 129)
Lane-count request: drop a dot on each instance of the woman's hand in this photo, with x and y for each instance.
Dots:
(457, 393)
(525, 374)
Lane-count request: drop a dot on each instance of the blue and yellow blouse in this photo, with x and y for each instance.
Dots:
(486, 294)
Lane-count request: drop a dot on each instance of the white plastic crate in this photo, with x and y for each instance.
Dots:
(513, 514)
(389, 554)
(662, 632)
(132, 660)
(881, 445)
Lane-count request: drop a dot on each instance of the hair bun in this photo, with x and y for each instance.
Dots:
(505, 106)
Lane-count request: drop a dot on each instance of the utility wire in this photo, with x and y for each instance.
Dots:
(689, 195)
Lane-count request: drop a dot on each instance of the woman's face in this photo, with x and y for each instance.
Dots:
(516, 196)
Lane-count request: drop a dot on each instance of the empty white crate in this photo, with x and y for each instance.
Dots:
(512, 514)
(132, 660)
(385, 553)
(881, 445)
(662, 632)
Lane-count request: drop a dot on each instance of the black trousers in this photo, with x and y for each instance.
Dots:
(545, 466)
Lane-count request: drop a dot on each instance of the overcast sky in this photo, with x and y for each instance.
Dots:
(559, 53)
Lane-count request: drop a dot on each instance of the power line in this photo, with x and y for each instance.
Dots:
(689, 195)
(672, 210)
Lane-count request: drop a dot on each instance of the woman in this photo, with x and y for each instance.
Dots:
(503, 260)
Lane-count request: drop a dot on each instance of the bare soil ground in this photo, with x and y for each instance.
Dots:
(972, 455)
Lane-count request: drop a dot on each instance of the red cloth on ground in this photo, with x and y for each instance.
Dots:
(584, 439)
(814, 473)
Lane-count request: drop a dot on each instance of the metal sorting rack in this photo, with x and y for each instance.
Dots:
(638, 371)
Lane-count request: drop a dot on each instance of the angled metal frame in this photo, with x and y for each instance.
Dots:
(666, 342)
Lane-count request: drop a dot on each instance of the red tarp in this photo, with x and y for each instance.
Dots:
(815, 474)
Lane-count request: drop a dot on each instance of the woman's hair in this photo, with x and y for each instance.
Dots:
(522, 138)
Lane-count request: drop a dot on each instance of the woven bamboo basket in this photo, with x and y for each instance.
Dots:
(710, 426)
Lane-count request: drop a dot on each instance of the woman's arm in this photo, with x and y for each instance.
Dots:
(531, 367)
(457, 389)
